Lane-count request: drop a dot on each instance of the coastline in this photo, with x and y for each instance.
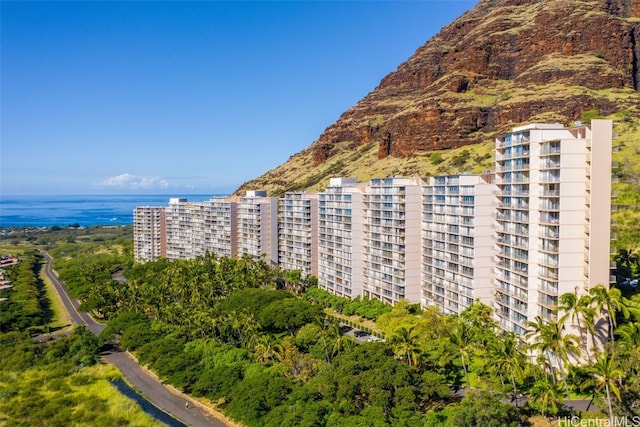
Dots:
(32, 211)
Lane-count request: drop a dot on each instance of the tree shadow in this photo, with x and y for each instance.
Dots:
(46, 309)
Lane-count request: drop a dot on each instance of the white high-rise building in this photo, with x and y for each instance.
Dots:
(340, 243)
(298, 233)
(187, 230)
(553, 217)
(258, 226)
(179, 229)
(148, 233)
(391, 239)
(458, 241)
(220, 226)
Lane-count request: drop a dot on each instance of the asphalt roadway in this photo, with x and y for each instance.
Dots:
(165, 398)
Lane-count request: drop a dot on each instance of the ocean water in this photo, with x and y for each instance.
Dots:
(47, 211)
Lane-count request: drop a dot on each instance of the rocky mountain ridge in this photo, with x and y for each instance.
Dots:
(501, 64)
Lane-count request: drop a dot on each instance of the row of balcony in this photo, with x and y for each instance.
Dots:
(509, 167)
(431, 218)
(512, 154)
(442, 277)
(512, 140)
(440, 247)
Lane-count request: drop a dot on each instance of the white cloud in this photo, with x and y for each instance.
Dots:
(135, 182)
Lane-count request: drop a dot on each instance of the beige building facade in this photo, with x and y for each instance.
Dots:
(298, 232)
(458, 214)
(257, 226)
(391, 239)
(149, 234)
(553, 217)
(340, 239)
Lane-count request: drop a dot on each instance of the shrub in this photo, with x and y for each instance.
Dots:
(589, 115)
(436, 158)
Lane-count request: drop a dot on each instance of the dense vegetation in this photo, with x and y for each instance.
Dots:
(365, 307)
(58, 383)
(232, 332)
(235, 333)
(20, 239)
(626, 182)
(25, 306)
(52, 379)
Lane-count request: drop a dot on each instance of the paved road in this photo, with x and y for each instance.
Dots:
(70, 305)
(167, 400)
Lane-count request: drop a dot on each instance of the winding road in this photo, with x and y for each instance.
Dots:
(164, 398)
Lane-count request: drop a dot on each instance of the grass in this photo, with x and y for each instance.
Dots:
(357, 320)
(61, 316)
(363, 164)
(55, 394)
(86, 397)
(626, 188)
(17, 250)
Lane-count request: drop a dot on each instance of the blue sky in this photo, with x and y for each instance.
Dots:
(186, 97)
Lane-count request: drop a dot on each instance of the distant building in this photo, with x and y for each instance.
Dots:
(221, 226)
(194, 229)
(258, 226)
(298, 232)
(149, 233)
(181, 226)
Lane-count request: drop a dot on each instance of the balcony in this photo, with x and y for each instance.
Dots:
(549, 205)
(549, 164)
(513, 192)
(549, 273)
(549, 260)
(548, 247)
(549, 218)
(551, 192)
(549, 177)
(548, 301)
(550, 149)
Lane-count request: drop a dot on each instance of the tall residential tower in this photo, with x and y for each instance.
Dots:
(553, 217)
(298, 233)
(457, 241)
(149, 233)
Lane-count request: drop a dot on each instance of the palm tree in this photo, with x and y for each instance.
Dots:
(328, 331)
(606, 374)
(242, 325)
(293, 281)
(536, 336)
(627, 261)
(266, 349)
(577, 308)
(547, 394)
(248, 327)
(507, 359)
(406, 345)
(629, 334)
(459, 337)
(549, 340)
(608, 302)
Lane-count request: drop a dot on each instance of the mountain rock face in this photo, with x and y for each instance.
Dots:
(501, 64)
